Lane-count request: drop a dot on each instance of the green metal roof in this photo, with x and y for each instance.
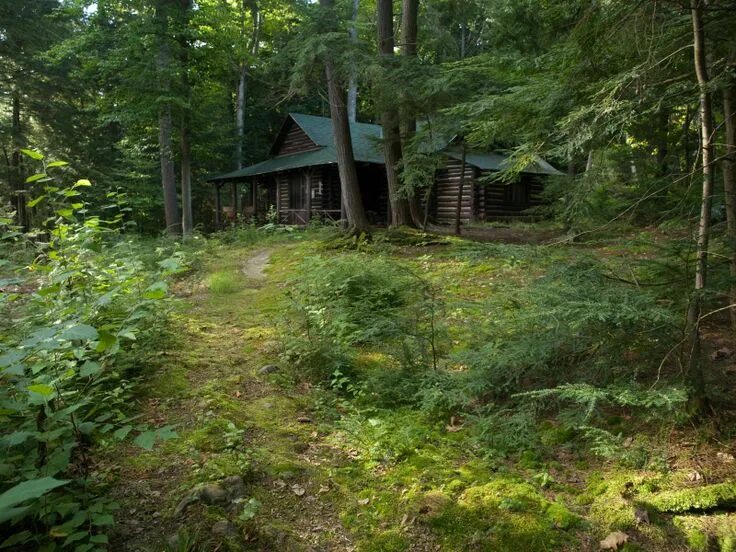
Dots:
(322, 156)
(366, 149)
(499, 162)
(366, 137)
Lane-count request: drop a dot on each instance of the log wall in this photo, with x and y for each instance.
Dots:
(446, 186)
(511, 200)
(295, 140)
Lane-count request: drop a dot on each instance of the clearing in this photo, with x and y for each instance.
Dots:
(266, 460)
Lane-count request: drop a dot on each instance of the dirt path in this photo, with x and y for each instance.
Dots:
(243, 428)
(255, 266)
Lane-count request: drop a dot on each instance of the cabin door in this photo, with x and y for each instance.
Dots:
(298, 200)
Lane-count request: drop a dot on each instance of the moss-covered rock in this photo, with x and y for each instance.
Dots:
(694, 499)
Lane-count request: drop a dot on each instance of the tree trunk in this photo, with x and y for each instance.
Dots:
(16, 184)
(357, 220)
(729, 187)
(187, 219)
(353, 82)
(390, 120)
(242, 91)
(663, 142)
(409, 31)
(460, 187)
(409, 27)
(349, 186)
(166, 154)
(168, 176)
(695, 366)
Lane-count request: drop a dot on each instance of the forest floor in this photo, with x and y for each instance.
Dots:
(265, 461)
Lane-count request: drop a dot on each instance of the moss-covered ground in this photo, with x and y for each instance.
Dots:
(321, 475)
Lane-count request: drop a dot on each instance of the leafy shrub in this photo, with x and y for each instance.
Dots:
(85, 302)
(354, 300)
(572, 324)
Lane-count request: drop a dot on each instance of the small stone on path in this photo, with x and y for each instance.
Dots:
(224, 529)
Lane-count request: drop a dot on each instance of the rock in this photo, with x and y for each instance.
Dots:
(725, 457)
(213, 494)
(268, 369)
(191, 498)
(173, 541)
(614, 540)
(641, 516)
(224, 529)
(722, 353)
(235, 486)
(304, 420)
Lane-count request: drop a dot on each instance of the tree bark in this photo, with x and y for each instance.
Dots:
(166, 155)
(409, 32)
(351, 198)
(729, 187)
(349, 186)
(353, 81)
(460, 187)
(243, 74)
(17, 185)
(390, 119)
(168, 176)
(695, 365)
(187, 218)
(663, 142)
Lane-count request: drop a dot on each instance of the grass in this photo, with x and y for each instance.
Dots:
(225, 282)
(375, 478)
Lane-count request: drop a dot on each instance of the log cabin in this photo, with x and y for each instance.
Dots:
(299, 181)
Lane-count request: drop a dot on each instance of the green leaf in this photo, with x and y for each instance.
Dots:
(35, 177)
(99, 539)
(82, 182)
(90, 368)
(11, 357)
(146, 440)
(102, 519)
(32, 154)
(106, 342)
(27, 490)
(156, 291)
(74, 537)
(18, 538)
(16, 438)
(79, 332)
(127, 334)
(36, 201)
(41, 389)
(57, 164)
(122, 433)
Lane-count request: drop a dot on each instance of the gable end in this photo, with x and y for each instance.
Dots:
(292, 139)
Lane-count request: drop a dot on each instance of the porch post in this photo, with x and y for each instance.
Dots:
(218, 206)
(308, 176)
(234, 198)
(472, 197)
(253, 197)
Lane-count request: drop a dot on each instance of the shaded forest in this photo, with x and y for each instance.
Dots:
(172, 378)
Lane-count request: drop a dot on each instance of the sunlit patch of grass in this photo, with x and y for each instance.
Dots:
(224, 282)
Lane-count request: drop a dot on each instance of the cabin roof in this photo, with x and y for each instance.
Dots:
(497, 162)
(367, 148)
